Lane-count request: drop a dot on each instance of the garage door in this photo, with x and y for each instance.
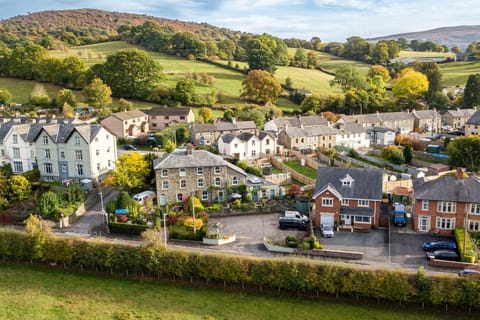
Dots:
(326, 219)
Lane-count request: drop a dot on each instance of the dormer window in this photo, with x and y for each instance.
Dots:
(347, 181)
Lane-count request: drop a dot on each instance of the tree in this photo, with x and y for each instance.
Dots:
(260, 54)
(456, 49)
(253, 113)
(313, 59)
(260, 86)
(465, 152)
(316, 43)
(206, 114)
(300, 59)
(393, 154)
(312, 104)
(48, 205)
(226, 49)
(97, 94)
(289, 83)
(169, 146)
(5, 96)
(357, 48)
(380, 53)
(66, 96)
(434, 76)
(408, 153)
(19, 188)
(471, 96)
(411, 85)
(378, 70)
(67, 111)
(185, 92)
(347, 77)
(130, 173)
(39, 96)
(124, 105)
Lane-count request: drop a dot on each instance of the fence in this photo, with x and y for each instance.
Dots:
(294, 175)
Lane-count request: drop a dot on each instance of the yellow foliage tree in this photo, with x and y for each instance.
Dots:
(131, 171)
(260, 86)
(410, 85)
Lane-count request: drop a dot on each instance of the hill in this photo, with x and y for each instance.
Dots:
(91, 25)
(460, 36)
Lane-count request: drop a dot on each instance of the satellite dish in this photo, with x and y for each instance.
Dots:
(392, 178)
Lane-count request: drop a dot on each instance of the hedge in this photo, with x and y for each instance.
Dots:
(294, 275)
(460, 238)
(126, 228)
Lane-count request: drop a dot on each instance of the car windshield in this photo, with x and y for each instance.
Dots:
(327, 228)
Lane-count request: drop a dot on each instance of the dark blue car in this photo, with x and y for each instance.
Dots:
(439, 244)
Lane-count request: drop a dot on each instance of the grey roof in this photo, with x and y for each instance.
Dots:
(306, 121)
(396, 116)
(296, 132)
(475, 119)
(362, 118)
(168, 111)
(199, 158)
(204, 127)
(366, 212)
(127, 115)
(237, 125)
(4, 129)
(227, 138)
(448, 188)
(381, 129)
(367, 183)
(350, 127)
(426, 114)
(461, 112)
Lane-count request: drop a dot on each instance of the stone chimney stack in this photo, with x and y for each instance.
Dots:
(189, 149)
(459, 174)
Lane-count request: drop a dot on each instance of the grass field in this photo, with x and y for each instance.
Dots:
(28, 293)
(415, 54)
(305, 170)
(456, 73)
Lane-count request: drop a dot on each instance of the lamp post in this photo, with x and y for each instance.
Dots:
(165, 228)
(193, 214)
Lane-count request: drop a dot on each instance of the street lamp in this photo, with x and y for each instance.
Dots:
(165, 228)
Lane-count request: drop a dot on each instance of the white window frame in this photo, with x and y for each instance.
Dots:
(183, 184)
(48, 154)
(14, 139)
(218, 181)
(475, 208)
(78, 155)
(200, 183)
(182, 172)
(363, 203)
(362, 219)
(446, 206)
(217, 170)
(327, 202)
(205, 196)
(17, 166)
(474, 225)
(164, 173)
(48, 168)
(45, 139)
(80, 171)
(445, 223)
(345, 202)
(179, 197)
(77, 140)
(424, 205)
(16, 152)
(235, 180)
(199, 171)
(165, 185)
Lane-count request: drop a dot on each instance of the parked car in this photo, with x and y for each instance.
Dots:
(442, 255)
(296, 214)
(468, 272)
(439, 244)
(292, 223)
(129, 147)
(326, 230)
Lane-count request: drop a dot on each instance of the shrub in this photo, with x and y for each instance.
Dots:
(306, 245)
(291, 241)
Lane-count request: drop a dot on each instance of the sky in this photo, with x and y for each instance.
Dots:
(331, 20)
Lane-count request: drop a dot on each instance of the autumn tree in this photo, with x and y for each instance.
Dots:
(66, 96)
(432, 71)
(393, 154)
(68, 111)
(260, 86)
(346, 78)
(5, 96)
(39, 96)
(130, 172)
(205, 114)
(185, 91)
(471, 96)
(378, 70)
(312, 104)
(124, 105)
(19, 188)
(465, 152)
(410, 85)
(97, 94)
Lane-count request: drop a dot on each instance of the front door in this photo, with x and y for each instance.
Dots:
(347, 220)
(221, 196)
(163, 200)
(424, 224)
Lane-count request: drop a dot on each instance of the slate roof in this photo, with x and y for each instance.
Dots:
(363, 118)
(296, 132)
(198, 158)
(475, 119)
(458, 113)
(237, 125)
(306, 121)
(127, 115)
(350, 127)
(367, 183)
(168, 111)
(227, 138)
(448, 188)
(396, 116)
(426, 114)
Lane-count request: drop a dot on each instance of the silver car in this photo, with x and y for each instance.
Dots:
(327, 231)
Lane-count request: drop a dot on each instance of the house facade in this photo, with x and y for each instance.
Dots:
(163, 117)
(247, 146)
(445, 203)
(278, 124)
(133, 123)
(457, 118)
(187, 171)
(308, 138)
(427, 120)
(472, 126)
(399, 122)
(348, 196)
(209, 133)
(352, 136)
(381, 136)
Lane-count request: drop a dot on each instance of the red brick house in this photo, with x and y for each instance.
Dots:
(348, 196)
(442, 204)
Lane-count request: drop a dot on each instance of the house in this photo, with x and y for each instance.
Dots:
(381, 135)
(456, 118)
(263, 189)
(442, 204)
(352, 136)
(18, 150)
(472, 126)
(247, 146)
(400, 122)
(463, 56)
(163, 117)
(277, 125)
(186, 171)
(365, 120)
(209, 133)
(133, 123)
(308, 138)
(427, 120)
(348, 196)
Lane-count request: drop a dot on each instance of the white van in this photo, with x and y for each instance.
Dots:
(144, 196)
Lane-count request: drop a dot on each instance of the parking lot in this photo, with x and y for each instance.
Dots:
(404, 250)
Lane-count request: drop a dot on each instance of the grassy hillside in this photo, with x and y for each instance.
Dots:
(456, 73)
(418, 54)
(28, 293)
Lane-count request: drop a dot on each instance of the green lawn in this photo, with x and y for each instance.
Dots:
(415, 54)
(305, 170)
(456, 73)
(29, 293)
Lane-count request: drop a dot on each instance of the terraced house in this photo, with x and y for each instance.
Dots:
(186, 171)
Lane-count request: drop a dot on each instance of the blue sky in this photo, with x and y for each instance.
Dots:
(331, 20)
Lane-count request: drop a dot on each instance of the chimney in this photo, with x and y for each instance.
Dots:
(459, 174)
(189, 149)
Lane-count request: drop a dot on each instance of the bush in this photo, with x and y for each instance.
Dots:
(291, 241)
(126, 228)
(181, 232)
(306, 245)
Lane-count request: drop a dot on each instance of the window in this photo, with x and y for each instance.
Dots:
(183, 184)
(362, 219)
(80, 169)
(109, 163)
(62, 154)
(363, 203)
(47, 154)
(327, 202)
(267, 142)
(217, 170)
(424, 205)
(253, 143)
(64, 168)
(179, 197)
(204, 195)
(17, 166)
(182, 172)
(473, 225)
(15, 139)
(165, 185)
(475, 208)
(447, 207)
(164, 173)
(254, 153)
(235, 145)
(200, 183)
(2, 153)
(77, 140)
(346, 183)
(108, 150)
(16, 152)
(218, 181)
(45, 139)
(32, 154)
(98, 166)
(445, 223)
(47, 168)
(200, 170)
(234, 181)
(97, 152)
(78, 155)
(344, 202)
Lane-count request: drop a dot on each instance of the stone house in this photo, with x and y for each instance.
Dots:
(187, 171)
(133, 123)
(427, 120)
(472, 126)
(456, 118)
(163, 117)
(348, 196)
(442, 204)
(308, 138)
(278, 124)
(209, 133)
